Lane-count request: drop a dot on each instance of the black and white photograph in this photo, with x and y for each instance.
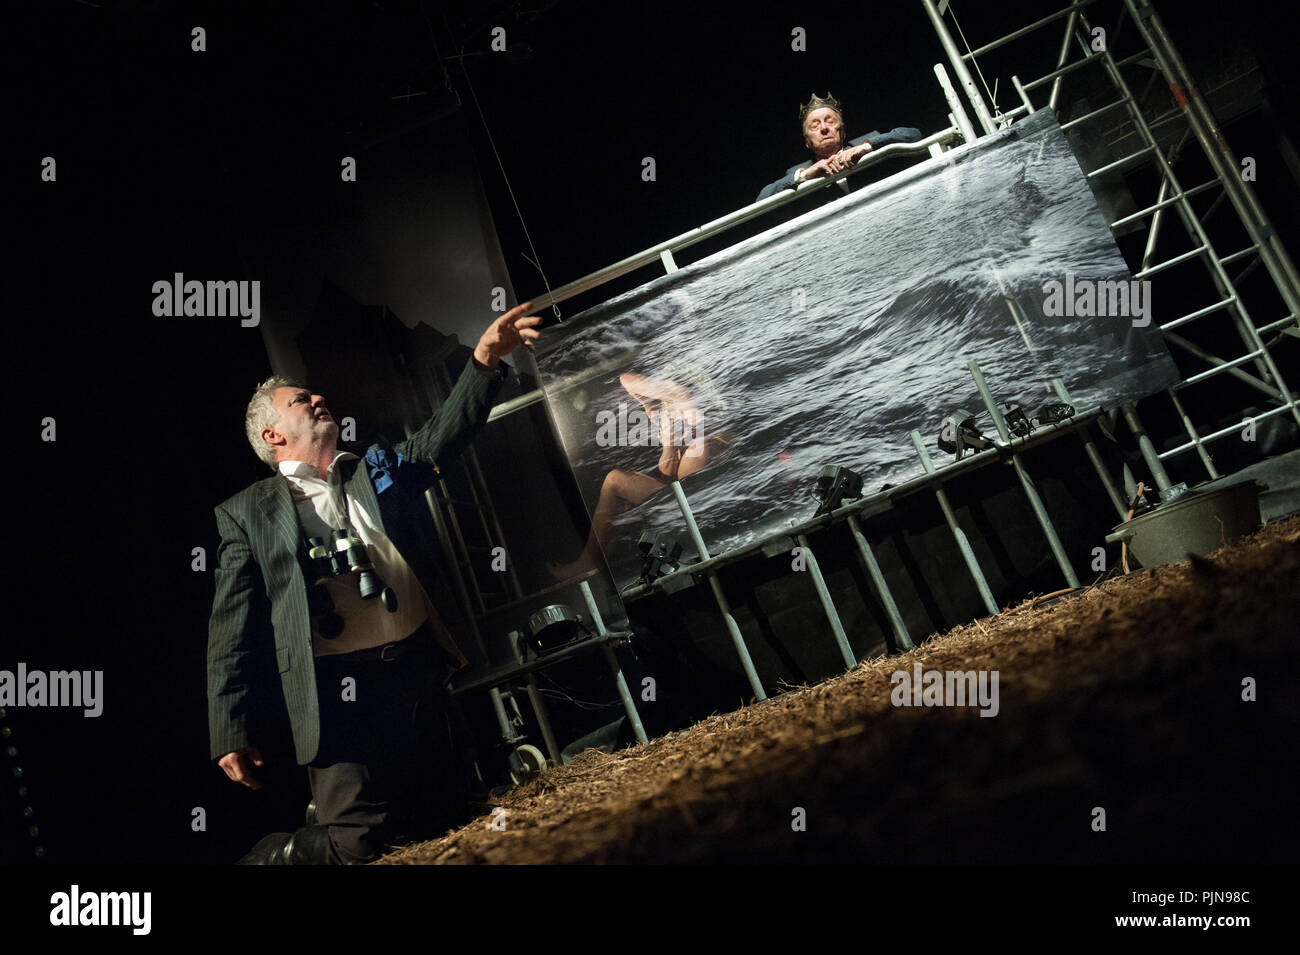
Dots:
(757, 366)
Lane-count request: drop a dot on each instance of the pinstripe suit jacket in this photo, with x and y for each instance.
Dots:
(260, 613)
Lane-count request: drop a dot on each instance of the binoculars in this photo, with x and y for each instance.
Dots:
(345, 553)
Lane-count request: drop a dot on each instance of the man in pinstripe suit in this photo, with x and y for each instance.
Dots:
(368, 707)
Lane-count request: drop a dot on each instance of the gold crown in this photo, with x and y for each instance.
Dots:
(817, 102)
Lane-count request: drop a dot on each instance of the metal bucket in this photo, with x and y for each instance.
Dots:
(1196, 523)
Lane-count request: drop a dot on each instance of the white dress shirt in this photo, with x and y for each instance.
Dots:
(366, 623)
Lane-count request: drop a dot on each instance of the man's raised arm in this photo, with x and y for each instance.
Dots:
(447, 433)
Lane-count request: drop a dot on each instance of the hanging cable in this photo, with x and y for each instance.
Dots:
(992, 94)
(535, 262)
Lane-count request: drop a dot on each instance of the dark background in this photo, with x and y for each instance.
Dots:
(170, 160)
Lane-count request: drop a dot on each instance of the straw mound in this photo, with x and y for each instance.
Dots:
(1126, 696)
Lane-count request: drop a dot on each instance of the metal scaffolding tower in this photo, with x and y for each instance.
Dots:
(1085, 54)
(1080, 64)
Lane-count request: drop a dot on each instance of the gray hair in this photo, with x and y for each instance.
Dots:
(262, 414)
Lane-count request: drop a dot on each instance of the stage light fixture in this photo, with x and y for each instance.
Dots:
(958, 432)
(552, 627)
(658, 551)
(835, 485)
(1054, 411)
(1017, 421)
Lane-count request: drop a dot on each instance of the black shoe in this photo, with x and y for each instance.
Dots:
(268, 851)
(308, 846)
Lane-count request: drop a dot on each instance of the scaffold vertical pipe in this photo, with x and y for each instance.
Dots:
(959, 68)
(1241, 319)
(624, 694)
(457, 578)
(1148, 449)
(1157, 220)
(958, 535)
(902, 639)
(508, 733)
(1191, 433)
(959, 114)
(828, 605)
(1026, 482)
(733, 628)
(539, 705)
(489, 513)
(1217, 151)
(1094, 456)
(1024, 97)
(1065, 52)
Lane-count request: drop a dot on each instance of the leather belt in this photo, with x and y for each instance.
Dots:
(420, 641)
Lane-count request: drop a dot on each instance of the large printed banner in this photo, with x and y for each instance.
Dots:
(828, 338)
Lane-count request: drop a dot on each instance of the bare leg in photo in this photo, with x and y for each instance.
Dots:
(621, 491)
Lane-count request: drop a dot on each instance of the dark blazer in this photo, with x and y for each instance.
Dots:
(261, 612)
(899, 134)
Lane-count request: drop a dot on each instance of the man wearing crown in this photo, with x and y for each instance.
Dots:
(821, 120)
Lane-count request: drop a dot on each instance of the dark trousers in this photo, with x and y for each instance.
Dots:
(395, 759)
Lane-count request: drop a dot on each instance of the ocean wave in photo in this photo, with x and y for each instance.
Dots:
(828, 338)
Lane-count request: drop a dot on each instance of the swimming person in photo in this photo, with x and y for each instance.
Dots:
(685, 446)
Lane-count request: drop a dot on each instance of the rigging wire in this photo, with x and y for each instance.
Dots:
(992, 94)
(536, 259)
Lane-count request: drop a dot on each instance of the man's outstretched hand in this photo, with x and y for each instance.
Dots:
(239, 766)
(516, 327)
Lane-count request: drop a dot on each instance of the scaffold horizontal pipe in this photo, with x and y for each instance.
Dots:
(1170, 263)
(1224, 432)
(1199, 313)
(1187, 194)
(1217, 370)
(1024, 31)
